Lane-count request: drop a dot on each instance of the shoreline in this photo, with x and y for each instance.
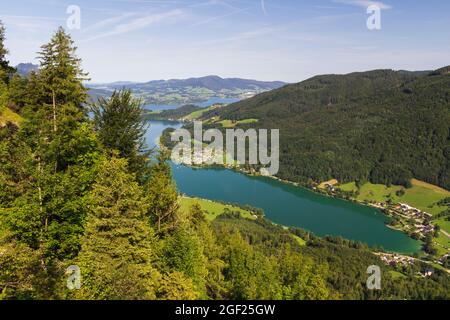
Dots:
(298, 185)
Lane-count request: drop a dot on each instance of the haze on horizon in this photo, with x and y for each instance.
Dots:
(286, 40)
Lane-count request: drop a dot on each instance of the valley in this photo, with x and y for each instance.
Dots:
(188, 91)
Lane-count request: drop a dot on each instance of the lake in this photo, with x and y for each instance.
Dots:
(288, 205)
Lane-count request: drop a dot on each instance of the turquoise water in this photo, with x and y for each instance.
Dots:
(289, 205)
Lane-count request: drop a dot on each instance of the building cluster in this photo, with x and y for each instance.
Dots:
(393, 259)
(422, 222)
(412, 212)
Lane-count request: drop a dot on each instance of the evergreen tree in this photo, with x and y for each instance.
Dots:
(163, 195)
(13, 155)
(62, 153)
(63, 97)
(120, 125)
(118, 248)
(18, 94)
(176, 286)
(23, 275)
(184, 253)
(4, 95)
(5, 69)
(300, 277)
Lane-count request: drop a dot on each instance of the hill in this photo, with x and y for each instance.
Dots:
(381, 126)
(24, 69)
(188, 91)
(174, 114)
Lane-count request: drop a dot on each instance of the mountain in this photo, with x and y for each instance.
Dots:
(24, 69)
(188, 91)
(174, 114)
(384, 126)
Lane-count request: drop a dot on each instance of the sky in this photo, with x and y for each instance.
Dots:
(288, 40)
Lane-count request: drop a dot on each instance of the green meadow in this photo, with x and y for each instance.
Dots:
(211, 208)
(197, 114)
(422, 195)
(232, 124)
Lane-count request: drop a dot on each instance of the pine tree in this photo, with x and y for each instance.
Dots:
(118, 247)
(62, 154)
(5, 69)
(44, 174)
(176, 286)
(120, 125)
(4, 95)
(18, 94)
(22, 273)
(163, 196)
(62, 76)
(13, 155)
(301, 278)
(184, 253)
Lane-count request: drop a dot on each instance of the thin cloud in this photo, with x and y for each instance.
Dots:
(30, 24)
(138, 23)
(211, 19)
(242, 36)
(108, 22)
(365, 3)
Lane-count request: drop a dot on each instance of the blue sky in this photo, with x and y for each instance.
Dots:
(290, 40)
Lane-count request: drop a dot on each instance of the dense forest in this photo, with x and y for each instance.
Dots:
(79, 188)
(174, 114)
(380, 126)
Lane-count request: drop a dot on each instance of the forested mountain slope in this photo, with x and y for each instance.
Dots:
(383, 126)
(187, 91)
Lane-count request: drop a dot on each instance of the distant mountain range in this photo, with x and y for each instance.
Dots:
(187, 91)
(177, 91)
(24, 69)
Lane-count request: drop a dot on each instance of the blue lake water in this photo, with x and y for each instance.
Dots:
(288, 205)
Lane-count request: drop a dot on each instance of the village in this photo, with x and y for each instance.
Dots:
(412, 220)
(397, 260)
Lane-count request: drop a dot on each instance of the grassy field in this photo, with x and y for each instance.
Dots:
(331, 182)
(8, 115)
(444, 224)
(299, 240)
(422, 195)
(197, 114)
(213, 209)
(396, 274)
(231, 124)
(444, 241)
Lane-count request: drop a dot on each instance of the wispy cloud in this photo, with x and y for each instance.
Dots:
(211, 19)
(137, 23)
(108, 22)
(365, 3)
(247, 35)
(31, 24)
